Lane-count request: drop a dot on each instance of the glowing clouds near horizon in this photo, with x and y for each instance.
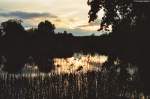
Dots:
(79, 63)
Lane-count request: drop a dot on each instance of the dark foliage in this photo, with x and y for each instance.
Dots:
(130, 22)
(45, 28)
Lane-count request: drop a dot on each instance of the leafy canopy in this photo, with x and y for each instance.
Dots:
(117, 12)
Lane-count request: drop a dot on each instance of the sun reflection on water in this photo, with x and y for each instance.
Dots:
(79, 63)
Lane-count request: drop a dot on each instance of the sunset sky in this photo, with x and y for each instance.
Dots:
(70, 15)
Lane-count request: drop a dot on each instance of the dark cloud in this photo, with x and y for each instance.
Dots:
(95, 23)
(58, 20)
(86, 25)
(26, 15)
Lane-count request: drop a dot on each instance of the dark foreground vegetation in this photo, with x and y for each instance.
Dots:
(109, 83)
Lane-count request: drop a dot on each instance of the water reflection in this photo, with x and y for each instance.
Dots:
(79, 62)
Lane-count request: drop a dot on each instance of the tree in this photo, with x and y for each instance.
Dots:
(46, 28)
(117, 11)
(130, 22)
(0, 32)
(128, 19)
(12, 28)
(13, 44)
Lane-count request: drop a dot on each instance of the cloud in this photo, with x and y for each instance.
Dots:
(58, 20)
(87, 25)
(26, 15)
(95, 23)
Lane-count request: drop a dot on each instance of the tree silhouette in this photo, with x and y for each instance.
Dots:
(12, 28)
(128, 18)
(13, 44)
(0, 32)
(130, 36)
(46, 28)
(115, 12)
